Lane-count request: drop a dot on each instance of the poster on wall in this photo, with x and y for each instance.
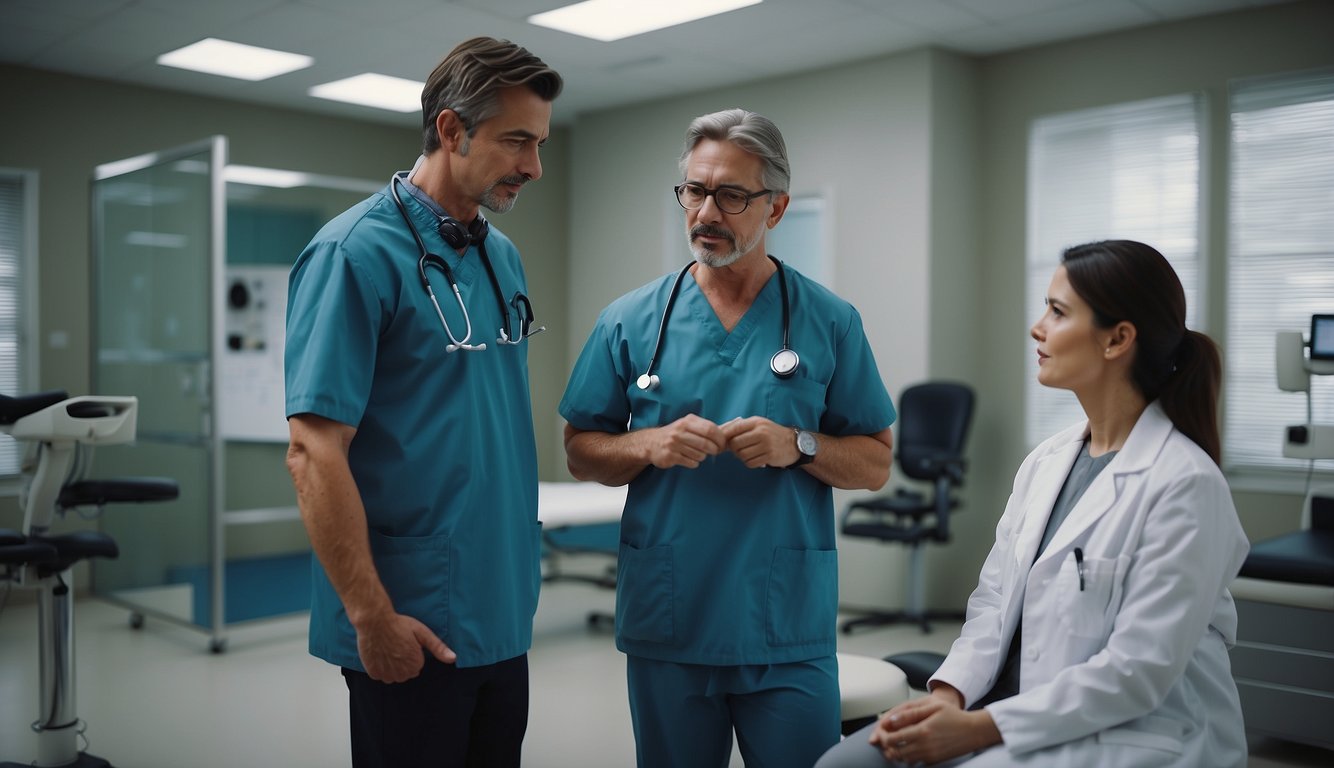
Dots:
(250, 384)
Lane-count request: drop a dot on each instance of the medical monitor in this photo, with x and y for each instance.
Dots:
(1322, 337)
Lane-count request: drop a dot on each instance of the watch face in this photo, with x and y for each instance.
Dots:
(806, 443)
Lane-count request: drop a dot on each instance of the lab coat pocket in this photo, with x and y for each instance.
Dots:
(1153, 732)
(1088, 594)
(802, 601)
(415, 573)
(645, 594)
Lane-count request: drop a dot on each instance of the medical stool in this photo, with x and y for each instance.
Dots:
(1283, 662)
(867, 687)
(38, 559)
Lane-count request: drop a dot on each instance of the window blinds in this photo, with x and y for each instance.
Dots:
(12, 241)
(1280, 256)
(1129, 171)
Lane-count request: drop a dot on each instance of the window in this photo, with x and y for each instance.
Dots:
(17, 209)
(799, 239)
(1280, 257)
(1130, 171)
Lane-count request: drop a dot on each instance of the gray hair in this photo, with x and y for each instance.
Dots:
(752, 132)
(470, 78)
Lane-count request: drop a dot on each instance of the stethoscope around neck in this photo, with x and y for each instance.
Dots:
(457, 236)
(783, 363)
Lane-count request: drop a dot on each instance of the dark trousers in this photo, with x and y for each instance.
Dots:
(445, 717)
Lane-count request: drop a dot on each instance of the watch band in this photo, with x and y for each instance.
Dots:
(805, 454)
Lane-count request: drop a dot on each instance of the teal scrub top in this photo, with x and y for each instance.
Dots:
(725, 565)
(444, 455)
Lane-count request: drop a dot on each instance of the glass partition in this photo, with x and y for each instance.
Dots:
(156, 242)
(191, 257)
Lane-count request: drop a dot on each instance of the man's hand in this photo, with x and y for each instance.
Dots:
(759, 442)
(684, 443)
(391, 648)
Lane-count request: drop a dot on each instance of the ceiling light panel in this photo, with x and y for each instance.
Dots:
(244, 62)
(608, 20)
(371, 90)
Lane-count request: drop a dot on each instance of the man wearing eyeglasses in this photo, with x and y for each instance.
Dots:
(732, 397)
(412, 446)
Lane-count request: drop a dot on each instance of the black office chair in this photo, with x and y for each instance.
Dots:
(933, 428)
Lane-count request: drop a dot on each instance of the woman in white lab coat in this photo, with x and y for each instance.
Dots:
(1099, 629)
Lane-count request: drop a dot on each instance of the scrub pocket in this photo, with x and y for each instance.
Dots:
(415, 573)
(645, 595)
(795, 402)
(536, 561)
(1088, 612)
(802, 600)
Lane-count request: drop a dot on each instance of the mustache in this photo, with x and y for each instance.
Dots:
(708, 230)
(518, 179)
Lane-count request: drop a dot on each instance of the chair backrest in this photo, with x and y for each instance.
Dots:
(933, 427)
(1318, 511)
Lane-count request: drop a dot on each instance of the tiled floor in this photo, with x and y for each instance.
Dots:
(156, 697)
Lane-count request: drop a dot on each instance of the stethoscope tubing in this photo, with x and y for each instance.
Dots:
(783, 363)
(428, 259)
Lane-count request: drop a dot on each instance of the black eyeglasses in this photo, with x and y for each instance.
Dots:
(728, 199)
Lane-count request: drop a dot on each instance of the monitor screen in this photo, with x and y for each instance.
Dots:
(1322, 337)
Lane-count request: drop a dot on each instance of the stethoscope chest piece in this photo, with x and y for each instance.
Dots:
(784, 363)
(648, 381)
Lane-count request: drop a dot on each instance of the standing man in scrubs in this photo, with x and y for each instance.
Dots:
(412, 445)
(727, 583)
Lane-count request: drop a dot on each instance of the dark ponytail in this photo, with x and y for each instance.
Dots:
(1130, 281)
(1190, 395)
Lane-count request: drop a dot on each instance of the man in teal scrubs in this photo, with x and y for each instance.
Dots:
(412, 444)
(727, 584)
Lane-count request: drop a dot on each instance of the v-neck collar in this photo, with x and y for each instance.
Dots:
(729, 344)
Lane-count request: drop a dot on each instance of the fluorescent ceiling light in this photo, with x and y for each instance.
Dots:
(244, 62)
(608, 20)
(380, 91)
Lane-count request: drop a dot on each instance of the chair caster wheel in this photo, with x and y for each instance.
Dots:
(217, 646)
(136, 621)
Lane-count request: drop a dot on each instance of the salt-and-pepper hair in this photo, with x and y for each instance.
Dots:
(752, 132)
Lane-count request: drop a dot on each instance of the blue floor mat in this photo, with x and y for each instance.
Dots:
(255, 587)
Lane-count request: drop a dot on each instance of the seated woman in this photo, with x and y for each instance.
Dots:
(1099, 629)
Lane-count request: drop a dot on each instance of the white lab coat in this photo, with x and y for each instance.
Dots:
(1133, 669)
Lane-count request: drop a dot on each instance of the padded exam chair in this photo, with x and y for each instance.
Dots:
(868, 686)
(1283, 661)
(933, 428)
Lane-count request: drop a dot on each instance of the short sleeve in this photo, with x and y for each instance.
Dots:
(333, 322)
(856, 402)
(595, 397)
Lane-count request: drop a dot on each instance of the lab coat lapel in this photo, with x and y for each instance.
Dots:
(1048, 477)
(1137, 455)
